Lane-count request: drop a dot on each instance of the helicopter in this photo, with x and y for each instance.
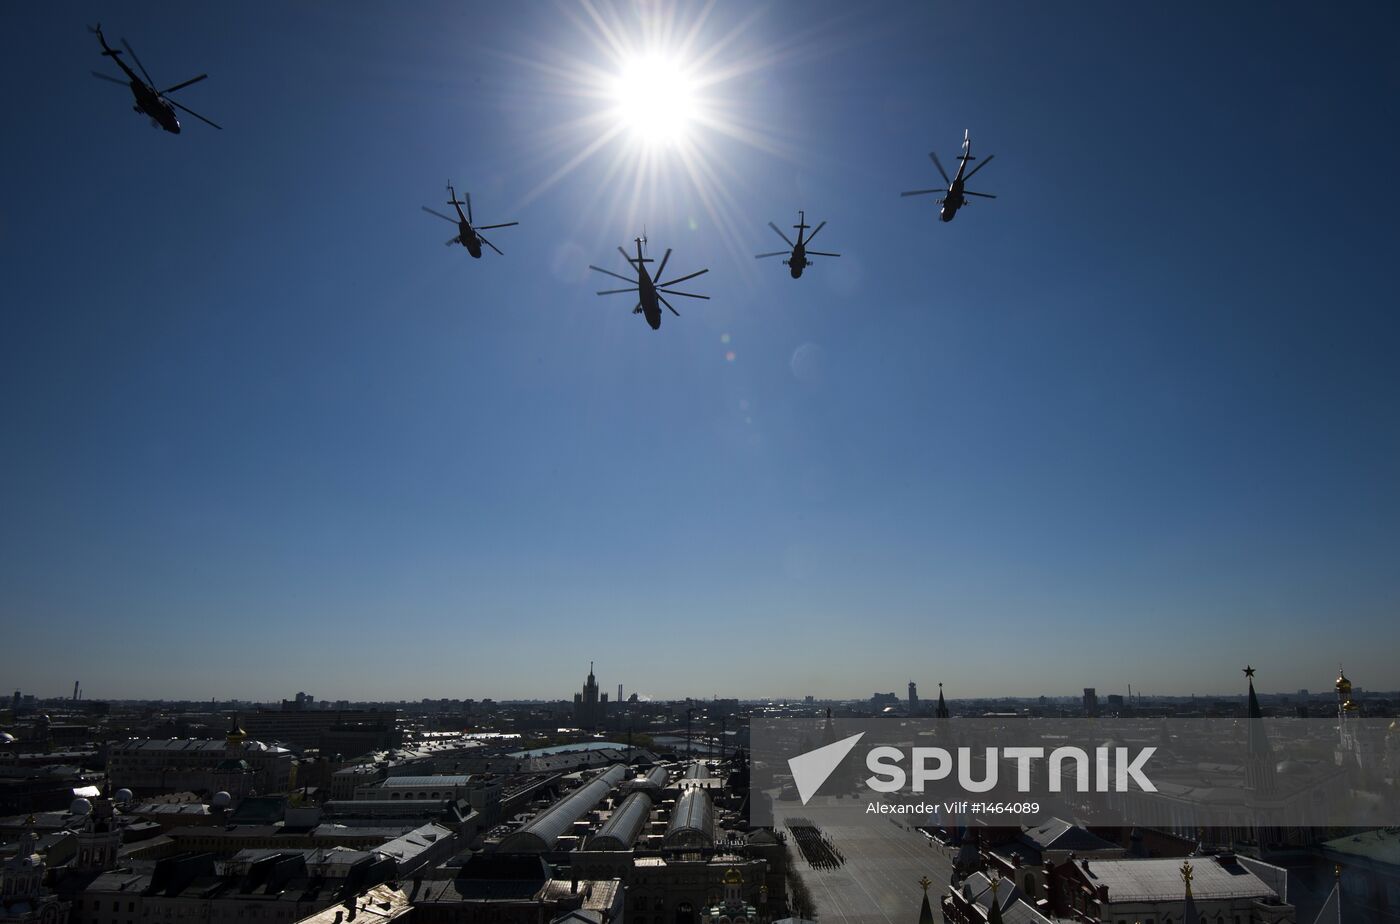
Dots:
(797, 261)
(149, 100)
(468, 236)
(954, 196)
(652, 293)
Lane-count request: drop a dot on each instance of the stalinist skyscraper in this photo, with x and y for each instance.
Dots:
(589, 707)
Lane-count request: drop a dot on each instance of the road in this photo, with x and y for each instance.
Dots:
(879, 882)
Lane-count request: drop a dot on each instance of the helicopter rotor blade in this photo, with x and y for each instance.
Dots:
(933, 155)
(968, 192)
(181, 86)
(112, 79)
(488, 243)
(616, 291)
(818, 253)
(776, 253)
(662, 268)
(814, 232)
(686, 294)
(611, 273)
(671, 282)
(632, 261)
(668, 304)
(985, 161)
(469, 208)
(195, 114)
(144, 73)
(781, 234)
(439, 215)
(489, 227)
(922, 192)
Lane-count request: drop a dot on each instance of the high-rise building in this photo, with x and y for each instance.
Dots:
(1091, 701)
(913, 698)
(589, 707)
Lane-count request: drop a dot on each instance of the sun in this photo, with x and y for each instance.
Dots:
(655, 99)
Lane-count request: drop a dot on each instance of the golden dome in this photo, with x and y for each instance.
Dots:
(1343, 684)
(236, 734)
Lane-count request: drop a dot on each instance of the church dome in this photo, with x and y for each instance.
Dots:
(1343, 684)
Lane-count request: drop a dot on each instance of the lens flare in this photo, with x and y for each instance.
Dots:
(655, 99)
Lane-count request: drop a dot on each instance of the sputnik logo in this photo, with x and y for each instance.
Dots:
(810, 770)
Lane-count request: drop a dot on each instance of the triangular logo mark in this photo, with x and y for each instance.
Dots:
(810, 770)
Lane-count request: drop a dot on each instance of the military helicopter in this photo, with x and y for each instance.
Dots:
(149, 100)
(954, 196)
(797, 261)
(468, 236)
(652, 294)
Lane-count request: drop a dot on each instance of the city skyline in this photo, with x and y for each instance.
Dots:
(1130, 422)
(1316, 691)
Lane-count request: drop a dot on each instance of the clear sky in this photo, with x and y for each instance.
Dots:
(1133, 421)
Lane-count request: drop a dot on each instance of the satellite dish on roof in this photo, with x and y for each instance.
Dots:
(220, 800)
(80, 806)
(124, 795)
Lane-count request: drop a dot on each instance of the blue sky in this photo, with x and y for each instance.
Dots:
(1134, 421)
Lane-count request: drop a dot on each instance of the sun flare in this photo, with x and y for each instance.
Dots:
(657, 104)
(655, 99)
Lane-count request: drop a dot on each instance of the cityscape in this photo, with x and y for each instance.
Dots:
(607, 807)
(1025, 555)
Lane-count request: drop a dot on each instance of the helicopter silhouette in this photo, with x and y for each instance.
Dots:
(954, 196)
(797, 261)
(468, 236)
(149, 100)
(652, 293)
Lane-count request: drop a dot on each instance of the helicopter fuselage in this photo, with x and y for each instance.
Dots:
(953, 201)
(798, 261)
(646, 295)
(468, 239)
(149, 103)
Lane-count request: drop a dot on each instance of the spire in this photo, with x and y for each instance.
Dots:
(942, 710)
(1259, 768)
(1332, 908)
(1189, 914)
(1254, 711)
(925, 912)
(994, 913)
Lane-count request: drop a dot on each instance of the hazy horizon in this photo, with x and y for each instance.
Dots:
(1132, 421)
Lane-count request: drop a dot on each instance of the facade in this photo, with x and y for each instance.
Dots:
(278, 888)
(515, 889)
(236, 765)
(455, 786)
(340, 731)
(23, 898)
